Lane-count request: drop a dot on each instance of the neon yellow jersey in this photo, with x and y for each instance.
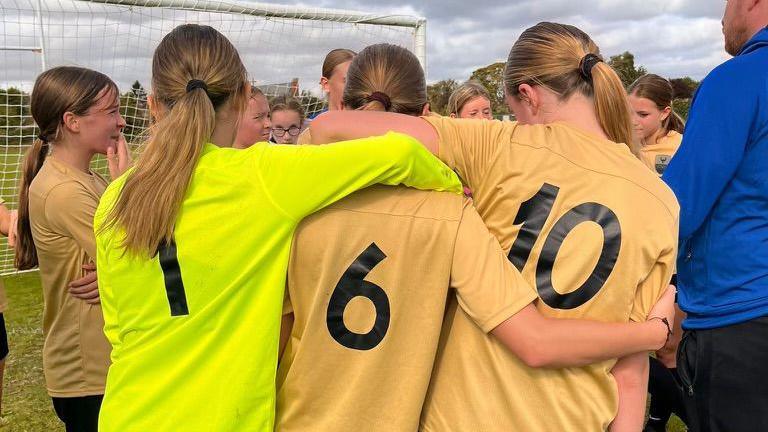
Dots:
(195, 329)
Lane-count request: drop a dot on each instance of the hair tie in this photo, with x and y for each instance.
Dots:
(587, 63)
(196, 84)
(41, 137)
(382, 98)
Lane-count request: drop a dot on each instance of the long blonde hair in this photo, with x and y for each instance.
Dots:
(551, 55)
(195, 72)
(56, 91)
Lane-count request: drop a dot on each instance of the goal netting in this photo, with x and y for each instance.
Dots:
(282, 47)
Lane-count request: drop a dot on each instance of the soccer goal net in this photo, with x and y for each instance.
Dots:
(283, 48)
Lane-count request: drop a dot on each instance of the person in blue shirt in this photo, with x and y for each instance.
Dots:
(720, 177)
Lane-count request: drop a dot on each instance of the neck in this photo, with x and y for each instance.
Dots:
(224, 133)
(73, 154)
(577, 111)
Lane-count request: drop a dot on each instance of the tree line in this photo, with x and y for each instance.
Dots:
(492, 78)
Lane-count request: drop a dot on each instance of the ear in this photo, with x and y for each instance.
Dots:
(665, 113)
(71, 122)
(529, 97)
(452, 115)
(425, 109)
(324, 84)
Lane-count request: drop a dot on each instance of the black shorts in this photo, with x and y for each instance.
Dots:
(3, 339)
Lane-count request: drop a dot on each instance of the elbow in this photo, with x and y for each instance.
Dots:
(535, 360)
(535, 356)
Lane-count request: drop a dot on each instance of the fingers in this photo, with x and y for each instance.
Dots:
(88, 279)
(13, 228)
(90, 267)
(113, 163)
(84, 288)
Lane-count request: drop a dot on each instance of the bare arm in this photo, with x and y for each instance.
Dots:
(541, 341)
(631, 374)
(333, 126)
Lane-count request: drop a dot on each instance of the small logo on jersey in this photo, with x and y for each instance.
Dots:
(661, 163)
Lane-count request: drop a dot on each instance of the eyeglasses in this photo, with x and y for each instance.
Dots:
(280, 132)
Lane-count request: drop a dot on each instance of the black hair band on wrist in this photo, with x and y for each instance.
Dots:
(666, 323)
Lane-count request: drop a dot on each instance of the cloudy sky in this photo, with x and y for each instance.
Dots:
(673, 38)
(670, 37)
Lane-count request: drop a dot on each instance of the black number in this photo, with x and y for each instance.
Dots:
(533, 214)
(351, 285)
(174, 286)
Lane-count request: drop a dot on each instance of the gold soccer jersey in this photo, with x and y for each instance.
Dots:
(657, 156)
(368, 280)
(591, 229)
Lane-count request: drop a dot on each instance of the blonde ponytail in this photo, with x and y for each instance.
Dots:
(552, 55)
(611, 106)
(195, 72)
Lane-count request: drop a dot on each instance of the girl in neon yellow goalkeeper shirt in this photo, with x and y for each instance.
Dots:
(191, 268)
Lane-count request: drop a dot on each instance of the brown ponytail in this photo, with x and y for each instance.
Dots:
(56, 92)
(195, 72)
(385, 77)
(550, 55)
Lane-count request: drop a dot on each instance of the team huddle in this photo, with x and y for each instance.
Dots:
(397, 270)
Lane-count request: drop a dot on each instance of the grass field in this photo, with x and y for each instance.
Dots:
(26, 405)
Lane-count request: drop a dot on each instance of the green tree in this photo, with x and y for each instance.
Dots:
(624, 65)
(438, 94)
(492, 78)
(133, 108)
(684, 88)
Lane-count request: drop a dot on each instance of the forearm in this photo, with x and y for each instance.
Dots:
(631, 374)
(548, 342)
(334, 126)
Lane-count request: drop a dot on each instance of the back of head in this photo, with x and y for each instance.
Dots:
(56, 91)
(465, 93)
(565, 60)
(659, 91)
(287, 103)
(197, 75)
(385, 77)
(334, 58)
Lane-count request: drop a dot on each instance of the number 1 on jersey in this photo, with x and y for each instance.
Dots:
(174, 286)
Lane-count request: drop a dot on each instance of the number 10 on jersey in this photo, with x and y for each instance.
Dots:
(533, 215)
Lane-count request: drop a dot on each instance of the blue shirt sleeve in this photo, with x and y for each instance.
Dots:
(714, 142)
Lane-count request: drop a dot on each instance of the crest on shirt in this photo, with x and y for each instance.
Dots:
(661, 163)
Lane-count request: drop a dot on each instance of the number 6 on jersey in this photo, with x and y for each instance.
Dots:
(351, 285)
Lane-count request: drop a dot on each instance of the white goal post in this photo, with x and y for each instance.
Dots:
(282, 47)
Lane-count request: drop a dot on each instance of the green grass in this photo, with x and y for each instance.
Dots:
(26, 405)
